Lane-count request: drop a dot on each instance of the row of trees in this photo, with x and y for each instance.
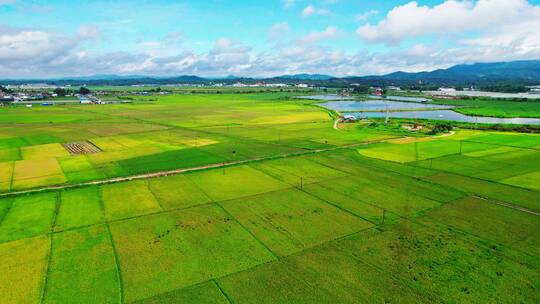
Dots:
(63, 92)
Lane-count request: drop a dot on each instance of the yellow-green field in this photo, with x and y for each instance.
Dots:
(278, 207)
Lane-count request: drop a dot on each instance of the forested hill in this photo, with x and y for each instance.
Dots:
(522, 70)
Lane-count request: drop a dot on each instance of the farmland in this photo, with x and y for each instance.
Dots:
(257, 198)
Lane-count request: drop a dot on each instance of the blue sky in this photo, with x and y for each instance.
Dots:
(260, 38)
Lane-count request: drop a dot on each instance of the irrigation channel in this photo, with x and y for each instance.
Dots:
(410, 108)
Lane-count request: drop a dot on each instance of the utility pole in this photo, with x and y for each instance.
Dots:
(387, 113)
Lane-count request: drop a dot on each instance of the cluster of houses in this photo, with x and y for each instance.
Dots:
(534, 89)
(88, 99)
(22, 97)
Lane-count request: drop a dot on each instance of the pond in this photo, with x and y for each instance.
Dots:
(413, 110)
(403, 98)
(447, 115)
(378, 105)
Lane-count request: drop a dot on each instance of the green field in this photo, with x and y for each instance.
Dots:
(495, 107)
(257, 198)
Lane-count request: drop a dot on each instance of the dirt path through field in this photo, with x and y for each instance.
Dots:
(184, 170)
(511, 206)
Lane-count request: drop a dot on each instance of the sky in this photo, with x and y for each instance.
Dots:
(255, 38)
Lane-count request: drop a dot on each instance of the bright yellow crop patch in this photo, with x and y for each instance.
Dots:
(106, 143)
(408, 140)
(199, 142)
(23, 268)
(6, 170)
(43, 152)
(34, 173)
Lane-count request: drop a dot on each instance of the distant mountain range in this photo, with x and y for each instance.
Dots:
(529, 70)
(523, 72)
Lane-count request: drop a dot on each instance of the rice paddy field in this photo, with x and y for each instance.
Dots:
(257, 198)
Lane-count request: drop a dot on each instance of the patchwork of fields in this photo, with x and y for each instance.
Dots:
(176, 132)
(452, 219)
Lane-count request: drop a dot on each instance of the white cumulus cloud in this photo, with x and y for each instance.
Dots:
(451, 16)
(311, 10)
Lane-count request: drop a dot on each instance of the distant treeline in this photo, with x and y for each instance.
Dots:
(359, 84)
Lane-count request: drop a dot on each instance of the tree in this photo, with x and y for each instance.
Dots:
(84, 91)
(60, 92)
(361, 89)
(4, 89)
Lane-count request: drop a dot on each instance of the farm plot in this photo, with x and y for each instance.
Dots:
(9, 154)
(421, 150)
(445, 265)
(495, 191)
(169, 160)
(290, 220)
(175, 192)
(509, 227)
(164, 252)
(398, 196)
(208, 293)
(79, 207)
(23, 269)
(128, 199)
(349, 160)
(35, 173)
(79, 169)
(528, 180)
(323, 274)
(372, 213)
(234, 182)
(43, 152)
(83, 267)
(298, 170)
(28, 216)
(6, 172)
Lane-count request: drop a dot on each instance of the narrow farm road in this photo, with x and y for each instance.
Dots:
(184, 170)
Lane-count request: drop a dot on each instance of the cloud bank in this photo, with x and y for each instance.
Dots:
(479, 31)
